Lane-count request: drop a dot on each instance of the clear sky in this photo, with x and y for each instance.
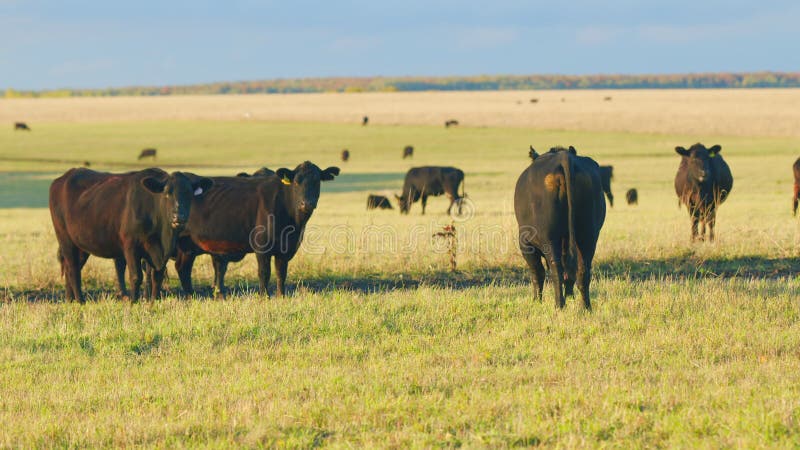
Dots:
(100, 43)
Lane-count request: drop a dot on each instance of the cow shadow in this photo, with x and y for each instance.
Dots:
(748, 267)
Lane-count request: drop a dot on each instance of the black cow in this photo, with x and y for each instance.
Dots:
(147, 153)
(126, 217)
(21, 126)
(408, 152)
(262, 172)
(632, 197)
(378, 202)
(796, 196)
(266, 215)
(364, 121)
(702, 183)
(560, 210)
(345, 155)
(450, 123)
(422, 182)
(606, 174)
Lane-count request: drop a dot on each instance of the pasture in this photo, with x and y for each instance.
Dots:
(378, 344)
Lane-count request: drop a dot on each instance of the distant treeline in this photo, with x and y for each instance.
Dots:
(467, 83)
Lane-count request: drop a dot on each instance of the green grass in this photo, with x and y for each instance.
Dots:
(378, 345)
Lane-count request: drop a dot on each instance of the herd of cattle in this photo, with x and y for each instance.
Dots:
(158, 216)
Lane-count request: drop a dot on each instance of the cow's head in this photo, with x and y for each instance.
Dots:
(176, 191)
(404, 202)
(303, 185)
(698, 162)
(533, 154)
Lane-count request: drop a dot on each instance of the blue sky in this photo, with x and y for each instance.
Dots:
(51, 44)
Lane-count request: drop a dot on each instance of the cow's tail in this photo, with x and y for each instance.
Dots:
(572, 257)
(463, 185)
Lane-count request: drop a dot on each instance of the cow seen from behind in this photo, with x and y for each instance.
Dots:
(559, 206)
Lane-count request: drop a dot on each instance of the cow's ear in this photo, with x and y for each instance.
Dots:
(153, 184)
(681, 151)
(533, 154)
(285, 175)
(715, 149)
(201, 184)
(329, 173)
(572, 150)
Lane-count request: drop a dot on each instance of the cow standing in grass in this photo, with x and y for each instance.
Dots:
(408, 152)
(796, 196)
(702, 183)
(21, 126)
(422, 182)
(147, 153)
(127, 217)
(266, 215)
(560, 210)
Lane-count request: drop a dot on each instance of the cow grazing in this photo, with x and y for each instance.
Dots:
(606, 174)
(345, 155)
(266, 215)
(560, 210)
(422, 182)
(378, 202)
(262, 172)
(796, 197)
(702, 183)
(21, 126)
(450, 123)
(147, 153)
(632, 197)
(364, 121)
(408, 152)
(127, 217)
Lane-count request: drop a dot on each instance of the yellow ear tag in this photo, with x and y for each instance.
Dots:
(713, 155)
(286, 181)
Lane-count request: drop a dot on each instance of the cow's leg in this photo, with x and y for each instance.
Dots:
(119, 266)
(450, 207)
(796, 198)
(569, 282)
(281, 267)
(610, 198)
(556, 272)
(534, 259)
(134, 272)
(695, 219)
(712, 219)
(424, 202)
(156, 280)
(183, 265)
(220, 267)
(71, 260)
(584, 276)
(263, 272)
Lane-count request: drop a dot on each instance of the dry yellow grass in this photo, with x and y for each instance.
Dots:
(751, 112)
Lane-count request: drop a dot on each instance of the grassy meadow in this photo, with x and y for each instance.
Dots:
(378, 344)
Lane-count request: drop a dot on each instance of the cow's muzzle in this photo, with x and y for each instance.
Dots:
(178, 222)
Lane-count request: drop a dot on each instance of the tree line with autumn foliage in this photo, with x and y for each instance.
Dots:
(454, 83)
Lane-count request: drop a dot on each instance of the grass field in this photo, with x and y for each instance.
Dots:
(378, 345)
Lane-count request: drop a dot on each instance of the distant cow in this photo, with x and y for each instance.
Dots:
(607, 99)
(378, 202)
(262, 172)
(632, 197)
(147, 153)
(21, 126)
(796, 197)
(127, 217)
(364, 121)
(534, 100)
(266, 215)
(702, 183)
(345, 155)
(450, 123)
(408, 152)
(560, 210)
(422, 182)
(606, 174)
